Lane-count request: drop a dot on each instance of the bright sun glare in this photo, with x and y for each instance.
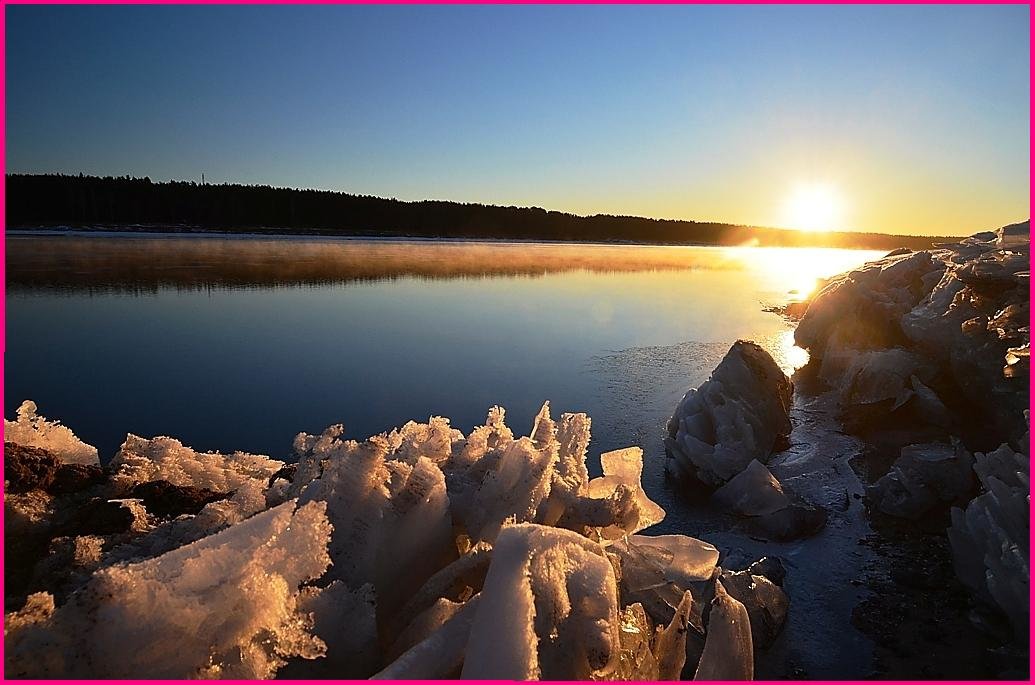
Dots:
(814, 207)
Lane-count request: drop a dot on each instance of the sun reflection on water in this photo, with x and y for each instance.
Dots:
(796, 273)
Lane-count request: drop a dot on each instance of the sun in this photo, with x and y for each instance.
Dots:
(814, 206)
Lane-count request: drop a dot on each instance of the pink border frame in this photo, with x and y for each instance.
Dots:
(3, 204)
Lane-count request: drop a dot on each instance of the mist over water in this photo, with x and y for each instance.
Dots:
(240, 343)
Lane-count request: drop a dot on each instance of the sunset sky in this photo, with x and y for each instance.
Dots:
(884, 118)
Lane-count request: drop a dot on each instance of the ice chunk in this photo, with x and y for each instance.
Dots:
(459, 580)
(549, 609)
(514, 480)
(140, 460)
(657, 570)
(432, 440)
(765, 602)
(392, 522)
(440, 654)
(345, 620)
(223, 607)
(1013, 236)
(416, 537)
(570, 479)
(625, 467)
(482, 439)
(354, 484)
(615, 504)
(728, 652)
(636, 660)
(32, 430)
(671, 642)
(752, 492)
(425, 623)
(990, 537)
(737, 415)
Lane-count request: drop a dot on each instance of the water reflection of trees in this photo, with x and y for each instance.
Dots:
(141, 264)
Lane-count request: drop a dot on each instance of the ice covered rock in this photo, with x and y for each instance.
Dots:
(862, 309)
(223, 607)
(728, 651)
(549, 609)
(140, 460)
(224, 511)
(924, 477)
(765, 602)
(1013, 236)
(798, 520)
(32, 430)
(737, 415)
(990, 537)
(877, 383)
(34, 468)
(930, 332)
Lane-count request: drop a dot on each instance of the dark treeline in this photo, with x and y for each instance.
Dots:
(113, 202)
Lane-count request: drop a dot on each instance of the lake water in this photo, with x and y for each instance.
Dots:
(239, 343)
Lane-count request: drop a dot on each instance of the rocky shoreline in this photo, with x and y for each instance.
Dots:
(902, 447)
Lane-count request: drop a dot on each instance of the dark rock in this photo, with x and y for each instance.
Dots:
(28, 468)
(103, 517)
(71, 478)
(770, 567)
(765, 602)
(794, 522)
(165, 500)
(286, 472)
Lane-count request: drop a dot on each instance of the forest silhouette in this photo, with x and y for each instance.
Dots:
(126, 203)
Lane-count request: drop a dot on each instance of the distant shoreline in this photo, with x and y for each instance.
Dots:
(201, 232)
(138, 205)
(159, 232)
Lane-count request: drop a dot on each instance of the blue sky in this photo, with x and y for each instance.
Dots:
(918, 115)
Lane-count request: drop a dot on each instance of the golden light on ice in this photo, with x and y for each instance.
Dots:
(814, 207)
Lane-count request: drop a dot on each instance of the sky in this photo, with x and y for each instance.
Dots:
(899, 119)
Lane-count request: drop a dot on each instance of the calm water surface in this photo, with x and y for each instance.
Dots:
(230, 343)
